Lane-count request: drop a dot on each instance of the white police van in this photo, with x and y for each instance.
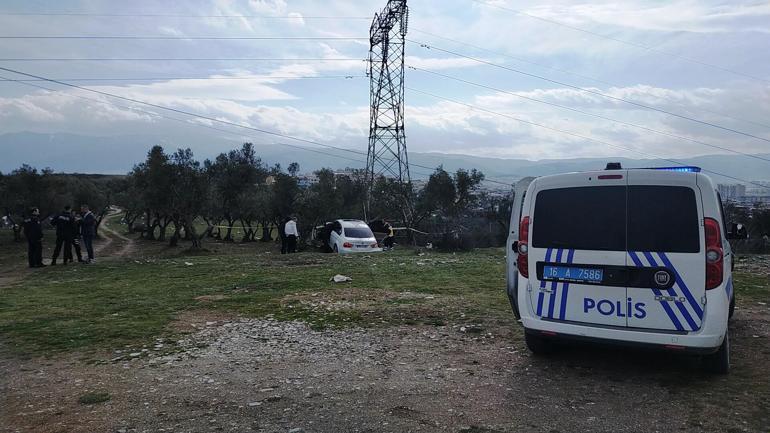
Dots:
(635, 257)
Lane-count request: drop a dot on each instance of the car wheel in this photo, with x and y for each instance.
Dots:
(537, 344)
(732, 307)
(336, 251)
(719, 362)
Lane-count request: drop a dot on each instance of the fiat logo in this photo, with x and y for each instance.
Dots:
(662, 278)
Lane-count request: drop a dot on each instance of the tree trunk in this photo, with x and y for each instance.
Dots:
(99, 222)
(163, 227)
(229, 233)
(248, 230)
(149, 227)
(197, 240)
(174, 241)
(267, 232)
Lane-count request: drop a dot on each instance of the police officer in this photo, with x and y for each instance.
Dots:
(88, 231)
(63, 224)
(77, 223)
(33, 231)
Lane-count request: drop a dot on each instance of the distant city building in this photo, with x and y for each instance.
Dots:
(307, 180)
(758, 187)
(731, 191)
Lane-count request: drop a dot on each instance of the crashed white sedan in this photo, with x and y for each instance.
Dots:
(351, 236)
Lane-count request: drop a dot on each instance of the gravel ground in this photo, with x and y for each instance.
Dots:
(244, 375)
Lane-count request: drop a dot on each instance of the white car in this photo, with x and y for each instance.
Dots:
(635, 257)
(352, 236)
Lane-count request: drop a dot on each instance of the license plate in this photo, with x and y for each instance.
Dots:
(574, 274)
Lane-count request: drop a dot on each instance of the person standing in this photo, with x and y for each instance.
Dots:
(63, 224)
(33, 231)
(390, 238)
(88, 231)
(291, 235)
(77, 224)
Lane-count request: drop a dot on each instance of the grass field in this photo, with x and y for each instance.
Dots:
(124, 301)
(131, 300)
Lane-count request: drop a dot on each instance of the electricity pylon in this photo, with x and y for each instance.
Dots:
(387, 142)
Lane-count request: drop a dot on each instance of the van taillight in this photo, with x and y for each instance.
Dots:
(347, 245)
(521, 261)
(714, 253)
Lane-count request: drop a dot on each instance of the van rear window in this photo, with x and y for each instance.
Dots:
(583, 218)
(663, 218)
(617, 218)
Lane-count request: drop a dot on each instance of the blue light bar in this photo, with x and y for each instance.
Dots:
(681, 169)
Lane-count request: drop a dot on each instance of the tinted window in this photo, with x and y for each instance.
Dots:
(663, 218)
(584, 218)
(358, 232)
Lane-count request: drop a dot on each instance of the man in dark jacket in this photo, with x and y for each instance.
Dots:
(63, 224)
(33, 231)
(88, 231)
(77, 223)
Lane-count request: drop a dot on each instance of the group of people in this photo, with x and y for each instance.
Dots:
(71, 227)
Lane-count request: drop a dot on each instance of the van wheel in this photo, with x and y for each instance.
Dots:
(732, 307)
(718, 362)
(537, 344)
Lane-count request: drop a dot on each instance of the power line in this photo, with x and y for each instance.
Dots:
(187, 113)
(233, 16)
(184, 59)
(586, 113)
(574, 134)
(198, 38)
(587, 77)
(593, 92)
(176, 119)
(625, 42)
(260, 77)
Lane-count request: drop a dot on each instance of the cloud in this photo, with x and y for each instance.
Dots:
(296, 19)
(671, 16)
(439, 63)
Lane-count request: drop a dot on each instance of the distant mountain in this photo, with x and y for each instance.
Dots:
(118, 154)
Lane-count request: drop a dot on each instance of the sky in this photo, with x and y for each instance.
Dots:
(493, 78)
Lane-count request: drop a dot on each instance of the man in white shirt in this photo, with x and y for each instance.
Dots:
(291, 235)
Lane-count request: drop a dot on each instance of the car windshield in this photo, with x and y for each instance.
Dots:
(358, 232)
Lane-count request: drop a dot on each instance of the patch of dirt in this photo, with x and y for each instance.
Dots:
(197, 319)
(239, 375)
(211, 298)
(753, 263)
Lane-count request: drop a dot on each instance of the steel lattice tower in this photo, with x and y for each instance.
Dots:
(387, 142)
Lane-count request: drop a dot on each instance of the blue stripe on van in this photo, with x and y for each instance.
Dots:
(540, 295)
(554, 287)
(665, 305)
(682, 309)
(565, 290)
(680, 282)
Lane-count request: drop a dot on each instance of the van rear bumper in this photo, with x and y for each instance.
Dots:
(670, 347)
(702, 341)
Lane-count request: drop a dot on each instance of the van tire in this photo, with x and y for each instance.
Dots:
(336, 250)
(732, 307)
(538, 345)
(719, 361)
